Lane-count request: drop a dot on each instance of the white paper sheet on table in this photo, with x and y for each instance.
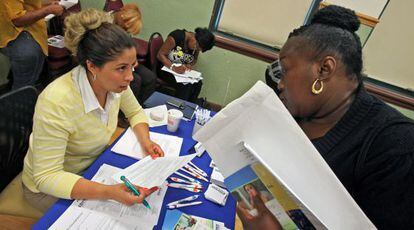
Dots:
(99, 214)
(191, 76)
(128, 145)
(158, 109)
(150, 172)
(66, 4)
(260, 119)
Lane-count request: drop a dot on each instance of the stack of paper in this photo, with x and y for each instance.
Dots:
(191, 76)
(161, 112)
(129, 146)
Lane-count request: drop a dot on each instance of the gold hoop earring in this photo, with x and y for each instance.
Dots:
(317, 91)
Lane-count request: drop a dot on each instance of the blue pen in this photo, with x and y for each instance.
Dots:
(134, 190)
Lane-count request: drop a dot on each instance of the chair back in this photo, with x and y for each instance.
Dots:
(113, 5)
(154, 44)
(16, 120)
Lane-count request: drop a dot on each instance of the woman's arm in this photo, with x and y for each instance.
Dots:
(30, 17)
(162, 55)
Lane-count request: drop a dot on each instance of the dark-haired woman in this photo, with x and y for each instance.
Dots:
(183, 47)
(368, 144)
(76, 115)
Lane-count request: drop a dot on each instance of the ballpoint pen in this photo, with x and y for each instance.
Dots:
(191, 169)
(197, 186)
(134, 190)
(185, 188)
(190, 198)
(179, 180)
(184, 205)
(194, 175)
(187, 177)
(199, 169)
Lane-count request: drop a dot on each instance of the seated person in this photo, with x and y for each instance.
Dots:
(368, 144)
(23, 37)
(129, 18)
(76, 115)
(182, 47)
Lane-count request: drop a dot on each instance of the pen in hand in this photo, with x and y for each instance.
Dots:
(134, 190)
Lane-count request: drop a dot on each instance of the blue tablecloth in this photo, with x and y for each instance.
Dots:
(208, 209)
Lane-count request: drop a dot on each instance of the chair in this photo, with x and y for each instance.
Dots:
(111, 5)
(16, 109)
(154, 44)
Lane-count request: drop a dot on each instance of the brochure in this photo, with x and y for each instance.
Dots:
(260, 149)
(175, 219)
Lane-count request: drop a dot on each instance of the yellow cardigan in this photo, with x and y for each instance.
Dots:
(66, 140)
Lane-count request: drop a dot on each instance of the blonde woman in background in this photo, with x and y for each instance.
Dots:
(76, 115)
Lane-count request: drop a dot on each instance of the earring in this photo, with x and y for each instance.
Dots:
(317, 91)
(94, 77)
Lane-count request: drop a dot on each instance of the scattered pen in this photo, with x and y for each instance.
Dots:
(190, 198)
(184, 205)
(134, 190)
(179, 180)
(199, 169)
(197, 186)
(191, 169)
(187, 177)
(185, 188)
(194, 175)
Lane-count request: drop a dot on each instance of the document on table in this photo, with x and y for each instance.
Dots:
(109, 214)
(191, 76)
(150, 172)
(128, 145)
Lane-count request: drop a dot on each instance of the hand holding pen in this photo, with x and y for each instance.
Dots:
(130, 194)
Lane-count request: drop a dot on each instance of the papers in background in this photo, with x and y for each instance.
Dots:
(191, 76)
(150, 172)
(175, 219)
(161, 109)
(260, 119)
(101, 214)
(66, 4)
(129, 146)
(56, 41)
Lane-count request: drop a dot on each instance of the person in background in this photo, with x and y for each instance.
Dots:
(129, 18)
(368, 144)
(183, 47)
(23, 37)
(76, 115)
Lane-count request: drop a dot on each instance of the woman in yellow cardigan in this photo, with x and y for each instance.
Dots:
(76, 115)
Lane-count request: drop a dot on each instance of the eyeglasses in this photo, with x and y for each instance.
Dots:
(276, 71)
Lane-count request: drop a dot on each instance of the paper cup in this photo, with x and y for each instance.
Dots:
(174, 118)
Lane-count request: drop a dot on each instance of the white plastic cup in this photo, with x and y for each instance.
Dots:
(174, 118)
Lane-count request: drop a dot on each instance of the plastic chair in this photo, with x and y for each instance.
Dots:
(113, 5)
(16, 120)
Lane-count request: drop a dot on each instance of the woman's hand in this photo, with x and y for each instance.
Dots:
(264, 219)
(122, 194)
(153, 149)
(179, 69)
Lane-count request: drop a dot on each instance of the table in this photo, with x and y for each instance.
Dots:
(208, 209)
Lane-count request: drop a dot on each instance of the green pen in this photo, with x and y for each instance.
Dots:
(134, 190)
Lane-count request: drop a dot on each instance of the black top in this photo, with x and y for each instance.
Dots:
(371, 151)
(180, 54)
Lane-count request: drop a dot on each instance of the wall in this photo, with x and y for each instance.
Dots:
(227, 75)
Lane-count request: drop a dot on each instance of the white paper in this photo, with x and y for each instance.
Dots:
(191, 76)
(129, 146)
(56, 41)
(150, 172)
(158, 109)
(260, 119)
(108, 214)
(66, 4)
